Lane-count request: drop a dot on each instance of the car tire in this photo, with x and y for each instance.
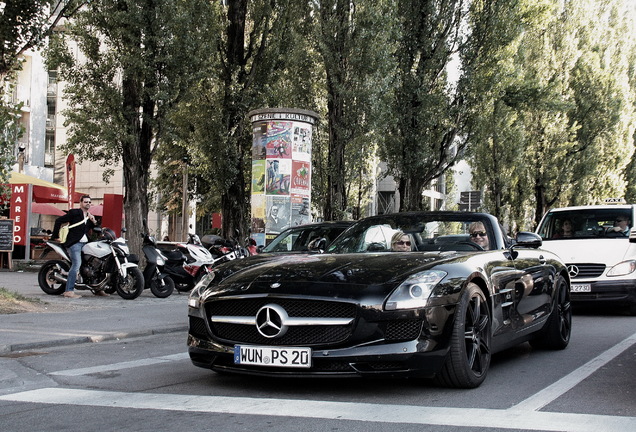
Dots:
(468, 359)
(555, 334)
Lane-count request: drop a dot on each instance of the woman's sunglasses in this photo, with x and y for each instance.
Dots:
(401, 243)
(480, 234)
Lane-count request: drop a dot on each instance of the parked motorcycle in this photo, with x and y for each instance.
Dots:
(160, 284)
(225, 249)
(188, 263)
(106, 266)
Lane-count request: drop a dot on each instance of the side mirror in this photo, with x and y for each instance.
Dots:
(260, 248)
(528, 239)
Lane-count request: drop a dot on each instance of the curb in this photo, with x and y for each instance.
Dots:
(12, 348)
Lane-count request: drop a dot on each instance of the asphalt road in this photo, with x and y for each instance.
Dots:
(148, 384)
(144, 381)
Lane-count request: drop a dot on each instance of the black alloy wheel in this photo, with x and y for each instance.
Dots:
(468, 360)
(556, 332)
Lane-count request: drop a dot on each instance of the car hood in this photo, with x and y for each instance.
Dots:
(608, 251)
(319, 274)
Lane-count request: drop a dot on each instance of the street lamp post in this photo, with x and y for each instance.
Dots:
(21, 149)
(184, 204)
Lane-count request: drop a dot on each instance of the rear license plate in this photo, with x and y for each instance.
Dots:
(581, 288)
(272, 356)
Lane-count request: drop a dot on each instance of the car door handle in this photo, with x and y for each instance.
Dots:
(542, 259)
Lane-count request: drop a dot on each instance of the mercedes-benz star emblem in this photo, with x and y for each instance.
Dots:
(270, 321)
(573, 270)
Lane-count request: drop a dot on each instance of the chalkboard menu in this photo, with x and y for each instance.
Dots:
(6, 235)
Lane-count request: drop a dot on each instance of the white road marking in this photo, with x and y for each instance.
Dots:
(524, 415)
(122, 365)
(377, 413)
(552, 392)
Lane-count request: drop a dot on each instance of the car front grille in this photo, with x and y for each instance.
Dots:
(309, 335)
(198, 329)
(587, 270)
(399, 330)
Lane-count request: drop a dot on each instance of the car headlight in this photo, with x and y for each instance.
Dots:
(414, 292)
(196, 293)
(622, 268)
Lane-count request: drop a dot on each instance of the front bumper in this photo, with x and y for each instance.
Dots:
(620, 292)
(412, 358)
(382, 352)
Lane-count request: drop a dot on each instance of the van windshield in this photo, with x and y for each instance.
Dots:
(586, 223)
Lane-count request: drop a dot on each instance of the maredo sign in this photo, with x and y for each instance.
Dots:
(20, 194)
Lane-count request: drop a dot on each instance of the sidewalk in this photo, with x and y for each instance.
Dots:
(63, 321)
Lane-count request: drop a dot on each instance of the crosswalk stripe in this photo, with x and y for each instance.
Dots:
(121, 365)
(377, 413)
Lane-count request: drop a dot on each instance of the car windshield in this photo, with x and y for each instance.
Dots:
(298, 238)
(416, 232)
(586, 223)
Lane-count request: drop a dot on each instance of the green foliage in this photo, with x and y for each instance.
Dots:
(555, 124)
(354, 41)
(425, 111)
(136, 62)
(10, 131)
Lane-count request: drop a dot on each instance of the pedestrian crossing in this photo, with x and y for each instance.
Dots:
(344, 411)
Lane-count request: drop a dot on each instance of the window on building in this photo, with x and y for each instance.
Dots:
(49, 149)
(386, 202)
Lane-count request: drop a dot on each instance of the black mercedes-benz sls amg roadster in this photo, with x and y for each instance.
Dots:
(425, 294)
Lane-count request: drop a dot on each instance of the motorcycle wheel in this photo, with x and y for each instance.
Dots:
(46, 279)
(162, 291)
(132, 286)
(184, 287)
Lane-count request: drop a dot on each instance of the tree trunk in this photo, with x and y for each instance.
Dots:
(336, 202)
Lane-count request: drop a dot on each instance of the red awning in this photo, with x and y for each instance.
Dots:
(44, 191)
(46, 209)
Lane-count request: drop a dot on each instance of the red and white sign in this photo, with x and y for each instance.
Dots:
(20, 212)
(70, 179)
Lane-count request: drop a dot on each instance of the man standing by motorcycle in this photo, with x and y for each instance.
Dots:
(80, 222)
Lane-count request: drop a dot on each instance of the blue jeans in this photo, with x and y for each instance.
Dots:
(75, 253)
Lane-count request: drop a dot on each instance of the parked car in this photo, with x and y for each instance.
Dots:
(440, 310)
(300, 238)
(599, 250)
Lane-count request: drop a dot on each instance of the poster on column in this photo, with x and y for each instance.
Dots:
(258, 176)
(278, 214)
(279, 139)
(259, 141)
(301, 178)
(278, 176)
(301, 140)
(259, 204)
(300, 210)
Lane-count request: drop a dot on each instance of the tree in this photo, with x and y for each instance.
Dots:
(24, 24)
(552, 129)
(353, 39)
(138, 59)
(426, 111)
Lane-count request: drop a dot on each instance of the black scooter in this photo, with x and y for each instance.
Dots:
(159, 282)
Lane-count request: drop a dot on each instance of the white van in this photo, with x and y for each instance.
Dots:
(598, 246)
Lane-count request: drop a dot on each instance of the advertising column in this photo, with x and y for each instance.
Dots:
(281, 170)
